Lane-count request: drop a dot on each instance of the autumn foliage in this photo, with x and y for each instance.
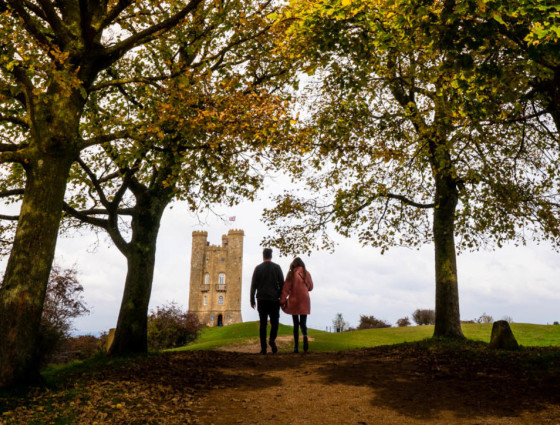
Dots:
(63, 303)
(169, 327)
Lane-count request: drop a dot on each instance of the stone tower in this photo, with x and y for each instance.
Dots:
(215, 287)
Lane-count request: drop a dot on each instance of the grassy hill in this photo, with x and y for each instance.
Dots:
(245, 333)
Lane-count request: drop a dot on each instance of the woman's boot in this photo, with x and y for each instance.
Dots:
(305, 344)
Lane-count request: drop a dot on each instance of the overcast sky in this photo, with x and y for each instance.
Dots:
(520, 282)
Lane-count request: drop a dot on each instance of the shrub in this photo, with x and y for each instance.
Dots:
(508, 319)
(77, 348)
(424, 317)
(63, 303)
(370, 322)
(485, 318)
(555, 323)
(338, 323)
(169, 327)
(402, 322)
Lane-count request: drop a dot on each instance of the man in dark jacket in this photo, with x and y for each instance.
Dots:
(267, 283)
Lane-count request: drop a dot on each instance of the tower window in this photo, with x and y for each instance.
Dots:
(205, 301)
(222, 279)
(220, 300)
(207, 279)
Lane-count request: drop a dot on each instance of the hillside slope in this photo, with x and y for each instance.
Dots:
(246, 334)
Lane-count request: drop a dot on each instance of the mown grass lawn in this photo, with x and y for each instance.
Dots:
(528, 335)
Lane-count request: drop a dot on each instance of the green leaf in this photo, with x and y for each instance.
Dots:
(497, 17)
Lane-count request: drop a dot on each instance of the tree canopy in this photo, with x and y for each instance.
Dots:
(53, 58)
(420, 130)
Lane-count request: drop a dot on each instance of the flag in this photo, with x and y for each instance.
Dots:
(232, 218)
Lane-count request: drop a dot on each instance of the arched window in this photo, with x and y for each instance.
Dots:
(205, 301)
(207, 279)
(220, 300)
(222, 279)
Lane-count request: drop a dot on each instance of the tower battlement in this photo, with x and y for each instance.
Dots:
(199, 233)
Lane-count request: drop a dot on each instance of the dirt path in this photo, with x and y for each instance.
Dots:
(416, 384)
(378, 386)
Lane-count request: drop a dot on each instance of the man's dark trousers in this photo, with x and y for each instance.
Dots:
(268, 309)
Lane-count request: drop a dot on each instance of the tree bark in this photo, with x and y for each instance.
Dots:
(131, 335)
(448, 322)
(25, 281)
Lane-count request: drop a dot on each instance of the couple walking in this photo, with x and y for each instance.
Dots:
(273, 292)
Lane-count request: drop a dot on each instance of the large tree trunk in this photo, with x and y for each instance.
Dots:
(131, 335)
(448, 322)
(25, 281)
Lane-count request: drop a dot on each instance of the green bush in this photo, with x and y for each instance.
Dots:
(169, 327)
(370, 322)
(424, 317)
(402, 322)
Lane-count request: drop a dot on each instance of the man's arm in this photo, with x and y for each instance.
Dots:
(280, 277)
(253, 288)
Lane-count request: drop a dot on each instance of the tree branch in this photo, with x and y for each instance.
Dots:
(84, 217)
(11, 192)
(105, 138)
(8, 147)
(113, 14)
(95, 182)
(410, 202)
(14, 120)
(11, 156)
(35, 9)
(30, 25)
(54, 21)
(120, 82)
(149, 34)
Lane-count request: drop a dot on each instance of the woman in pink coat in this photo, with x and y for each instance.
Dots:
(295, 299)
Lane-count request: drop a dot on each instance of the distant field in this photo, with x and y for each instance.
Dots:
(244, 333)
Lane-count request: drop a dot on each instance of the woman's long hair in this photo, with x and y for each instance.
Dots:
(295, 264)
